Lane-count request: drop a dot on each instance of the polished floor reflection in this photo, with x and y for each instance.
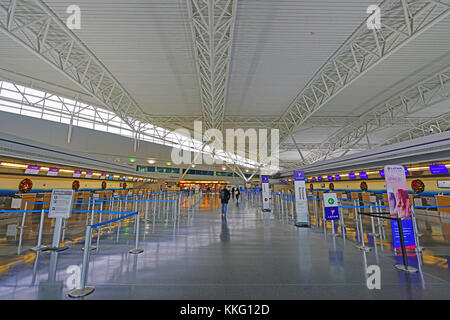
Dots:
(247, 255)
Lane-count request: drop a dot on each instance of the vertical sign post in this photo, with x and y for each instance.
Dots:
(330, 204)
(400, 211)
(301, 202)
(266, 196)
(60, 208)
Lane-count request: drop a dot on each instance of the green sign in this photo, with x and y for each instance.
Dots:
(331, 201)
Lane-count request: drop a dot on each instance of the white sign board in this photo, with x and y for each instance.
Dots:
(443, 183)
(61, 203)
(11, 230)
(16, 203)
(301, 201)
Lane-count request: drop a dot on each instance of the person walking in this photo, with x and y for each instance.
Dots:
(224, 197)
(232, 192)
(237, 193)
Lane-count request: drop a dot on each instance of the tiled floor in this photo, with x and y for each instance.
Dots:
(248, 255)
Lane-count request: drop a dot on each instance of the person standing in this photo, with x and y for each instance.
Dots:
(224, 197)
(237, 193)
(232, 192)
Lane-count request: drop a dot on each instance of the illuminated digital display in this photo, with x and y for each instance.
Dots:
(438, 169)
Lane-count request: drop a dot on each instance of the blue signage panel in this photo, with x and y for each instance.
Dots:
(408, 234)
(406, 171)
(382, 173)
(438, 169)
(299, 175)
(314, 179)
(337, 177)
(363, 175)
(332, 213)
(330, 178)
(352, 176)
(111, 177)
(265, 179)
(319, 178)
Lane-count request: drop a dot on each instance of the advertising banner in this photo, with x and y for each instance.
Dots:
(399, 206)
(88, 175)
(266, 193)
(301, 202)
(330, 202)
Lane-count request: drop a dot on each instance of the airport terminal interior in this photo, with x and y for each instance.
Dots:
(224, 150)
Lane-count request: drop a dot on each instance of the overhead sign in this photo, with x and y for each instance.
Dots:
(363, 175)
(32, 169)
(438, 169)
(331, 206)
(301, 202)
(53, 172)
(77, 173)
(103, 176)
(88, 175)
(352, 176)
(266, 193)
(61, 203)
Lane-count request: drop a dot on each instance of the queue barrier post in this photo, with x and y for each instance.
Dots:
(404, 266)
(39, 245)
(83, 290)
(137, 250)
(363, 246)
(24, 215)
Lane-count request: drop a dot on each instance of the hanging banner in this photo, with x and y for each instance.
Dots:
(266, 193)
(301, 202)
(77, 173)
(88, 175)
(330, 202)
(53, 172)
(32, 170)
(399, 206)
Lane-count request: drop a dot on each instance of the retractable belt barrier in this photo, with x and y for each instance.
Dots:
(83, 290)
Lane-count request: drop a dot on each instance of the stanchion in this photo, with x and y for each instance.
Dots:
(39, 245)
(372, 221)
(416, 231)
(363, 245)
(404, 266)
(92, 222)
(24, 215)
(137, 250)
(83, 290)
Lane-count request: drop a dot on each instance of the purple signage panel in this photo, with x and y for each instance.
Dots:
(88, 175)
(314, 179)
(53, 172)
(438, 169)
(77, 173)
(363, 175)
(299, 175)
(352, 176)
(319, 178)
(32, 169)
(265, 179)
(337, 177)
(103, 176)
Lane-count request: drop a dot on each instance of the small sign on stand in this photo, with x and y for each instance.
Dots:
(60, 208)
(266, 194)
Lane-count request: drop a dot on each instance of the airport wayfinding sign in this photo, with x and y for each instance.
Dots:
(61, 203)
(266, 193)
(331, 206)
(301, 202)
